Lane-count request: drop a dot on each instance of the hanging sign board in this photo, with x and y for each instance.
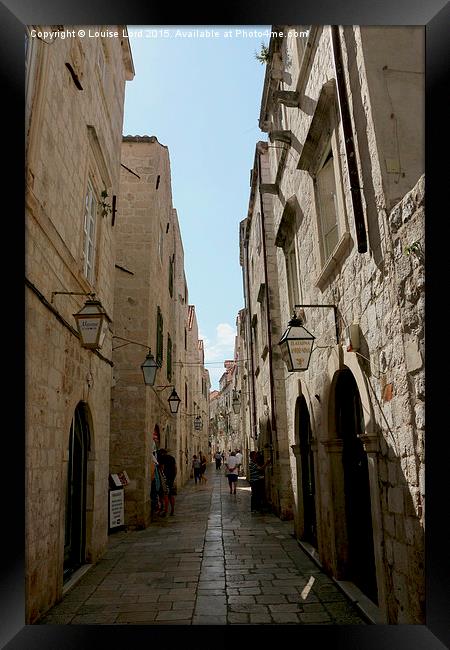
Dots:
(116, 480)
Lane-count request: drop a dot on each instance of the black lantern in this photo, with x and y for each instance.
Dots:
(174, 402)
(92, 323)
(198, 423)
(149, 368)
(236, 402)
(296, 345)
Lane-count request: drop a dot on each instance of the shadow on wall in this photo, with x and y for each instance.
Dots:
(404, 540)
(402, 505)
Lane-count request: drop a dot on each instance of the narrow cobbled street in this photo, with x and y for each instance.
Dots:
(212, 563)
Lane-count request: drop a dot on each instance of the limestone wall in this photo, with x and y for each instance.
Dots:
(380, 291)
(72, 134)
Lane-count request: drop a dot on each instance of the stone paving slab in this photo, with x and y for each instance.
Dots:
(213, 563)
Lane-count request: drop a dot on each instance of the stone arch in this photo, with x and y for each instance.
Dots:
(78, 483)
(349, 416)
(304, 450)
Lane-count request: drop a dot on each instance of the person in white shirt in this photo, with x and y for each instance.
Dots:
(239, 460)
(232, 471)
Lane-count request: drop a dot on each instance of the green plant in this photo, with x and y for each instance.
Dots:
(415, 247)
(263, 55)
(105, 207)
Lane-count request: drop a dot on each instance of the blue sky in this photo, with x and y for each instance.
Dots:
(201, 98)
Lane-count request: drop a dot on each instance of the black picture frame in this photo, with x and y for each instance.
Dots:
(434, 15)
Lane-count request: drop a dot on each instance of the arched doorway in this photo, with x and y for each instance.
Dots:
(360, 562)
(305, 472)
(76, 488)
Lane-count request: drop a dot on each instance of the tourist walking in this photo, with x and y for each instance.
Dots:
(169, 467)
(162, 488)
(196, 468)
(218, 459)
(232, 472)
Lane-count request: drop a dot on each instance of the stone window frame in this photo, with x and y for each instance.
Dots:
(323, 137)
(286, 239)
(96, 174)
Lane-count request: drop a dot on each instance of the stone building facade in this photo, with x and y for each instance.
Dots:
(151, 311)
(243, 387)
(196, 397)
(266, 408)
(225, 422)
(74, 114)
(343, 211)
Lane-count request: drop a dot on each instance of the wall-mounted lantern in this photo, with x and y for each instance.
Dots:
(296, 345)
(174, 402)
(149, 368)
(92, 324)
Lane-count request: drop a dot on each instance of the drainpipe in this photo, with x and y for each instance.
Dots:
(253, 410)
(355, 187)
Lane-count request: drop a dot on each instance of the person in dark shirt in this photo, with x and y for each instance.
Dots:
(169, 466)
(257, 467)
(196, 468)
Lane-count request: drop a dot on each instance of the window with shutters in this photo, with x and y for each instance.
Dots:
(169, 358)
(327, 204)
(292, 274)
(159, 338)
(171, 276)
(89, 231)
(320, 157)
(160, 243)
